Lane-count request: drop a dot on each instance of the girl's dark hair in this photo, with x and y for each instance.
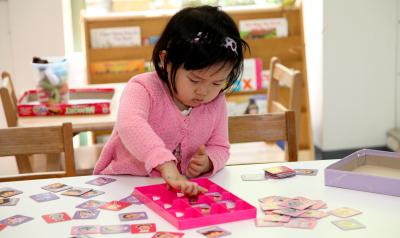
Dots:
(195, 38)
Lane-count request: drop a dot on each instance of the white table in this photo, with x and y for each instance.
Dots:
(380, 212)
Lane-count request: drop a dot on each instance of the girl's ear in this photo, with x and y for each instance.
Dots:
(162, 56)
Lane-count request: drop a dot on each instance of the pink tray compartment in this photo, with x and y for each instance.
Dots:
(179, 211)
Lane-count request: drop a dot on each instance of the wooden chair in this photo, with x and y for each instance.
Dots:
(270, 127)
(9, 100)
(35, 140)
(283, 77)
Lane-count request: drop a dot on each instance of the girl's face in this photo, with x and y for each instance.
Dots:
(195, 87)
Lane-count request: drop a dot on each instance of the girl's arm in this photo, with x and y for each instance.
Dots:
(135, 132)
(217, 147)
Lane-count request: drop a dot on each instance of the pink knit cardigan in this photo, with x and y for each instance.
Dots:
(150, 126)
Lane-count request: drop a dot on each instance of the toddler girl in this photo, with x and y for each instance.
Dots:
(173, 122)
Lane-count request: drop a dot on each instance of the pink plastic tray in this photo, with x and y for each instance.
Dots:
(215, 207)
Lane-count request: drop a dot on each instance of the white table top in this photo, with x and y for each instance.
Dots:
(380, 212)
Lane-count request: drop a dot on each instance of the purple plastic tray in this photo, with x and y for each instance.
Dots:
(366, 170)
(221, 206)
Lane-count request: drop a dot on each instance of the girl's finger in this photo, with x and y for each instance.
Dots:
(196, 163)
(195, 190)
(194, 172)
(189, 188)
(201, 189)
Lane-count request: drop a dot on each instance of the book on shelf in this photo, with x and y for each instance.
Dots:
(251, 79)
(263, 28)
(112, 37)
(132, 67)
(247, 104)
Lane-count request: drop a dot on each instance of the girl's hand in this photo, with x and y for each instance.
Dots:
(199, 164)
(180, 183)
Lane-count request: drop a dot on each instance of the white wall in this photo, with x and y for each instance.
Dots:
(359, 59)
(313, 37)
(36, 30)
(397, 102)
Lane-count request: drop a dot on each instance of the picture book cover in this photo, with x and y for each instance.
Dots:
(115, 37)
(118, 67)
(252, 76)
(263, 28)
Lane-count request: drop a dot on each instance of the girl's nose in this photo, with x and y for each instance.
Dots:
(201, 91)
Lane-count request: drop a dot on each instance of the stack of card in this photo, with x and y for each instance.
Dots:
(279, 172)
(301, 212)
(298, 212)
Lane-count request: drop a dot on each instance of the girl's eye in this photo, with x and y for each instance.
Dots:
(194, 81)
(219, 83)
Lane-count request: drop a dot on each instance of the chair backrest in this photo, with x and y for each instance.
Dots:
(270, 127)
(9, 102)
(283, 77)
(38, 140)
(8, 99)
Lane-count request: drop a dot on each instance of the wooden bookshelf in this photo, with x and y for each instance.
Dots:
(290, 50)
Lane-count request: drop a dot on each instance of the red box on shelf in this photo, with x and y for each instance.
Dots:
(87, 101)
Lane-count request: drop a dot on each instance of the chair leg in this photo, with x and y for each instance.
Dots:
(23, 164)
(53, 162)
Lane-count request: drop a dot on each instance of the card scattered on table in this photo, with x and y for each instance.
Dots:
(91, 204)
(114, 229)
(132, 216)
(214, 231)
(56, 187)
(100, 181)
(56, 217)
(314, 214)
(131, 199)
(76, 192)
(16, 220)
(84, 230)
(44, 197)
(168, 234)
(7, 192)
(86, 214)
(345, 212)
(298, 203)
(143, 228)
(348, 224)
(307, 172)
(8, 201)
(115, 205)
(302, 223)
(92, 193)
